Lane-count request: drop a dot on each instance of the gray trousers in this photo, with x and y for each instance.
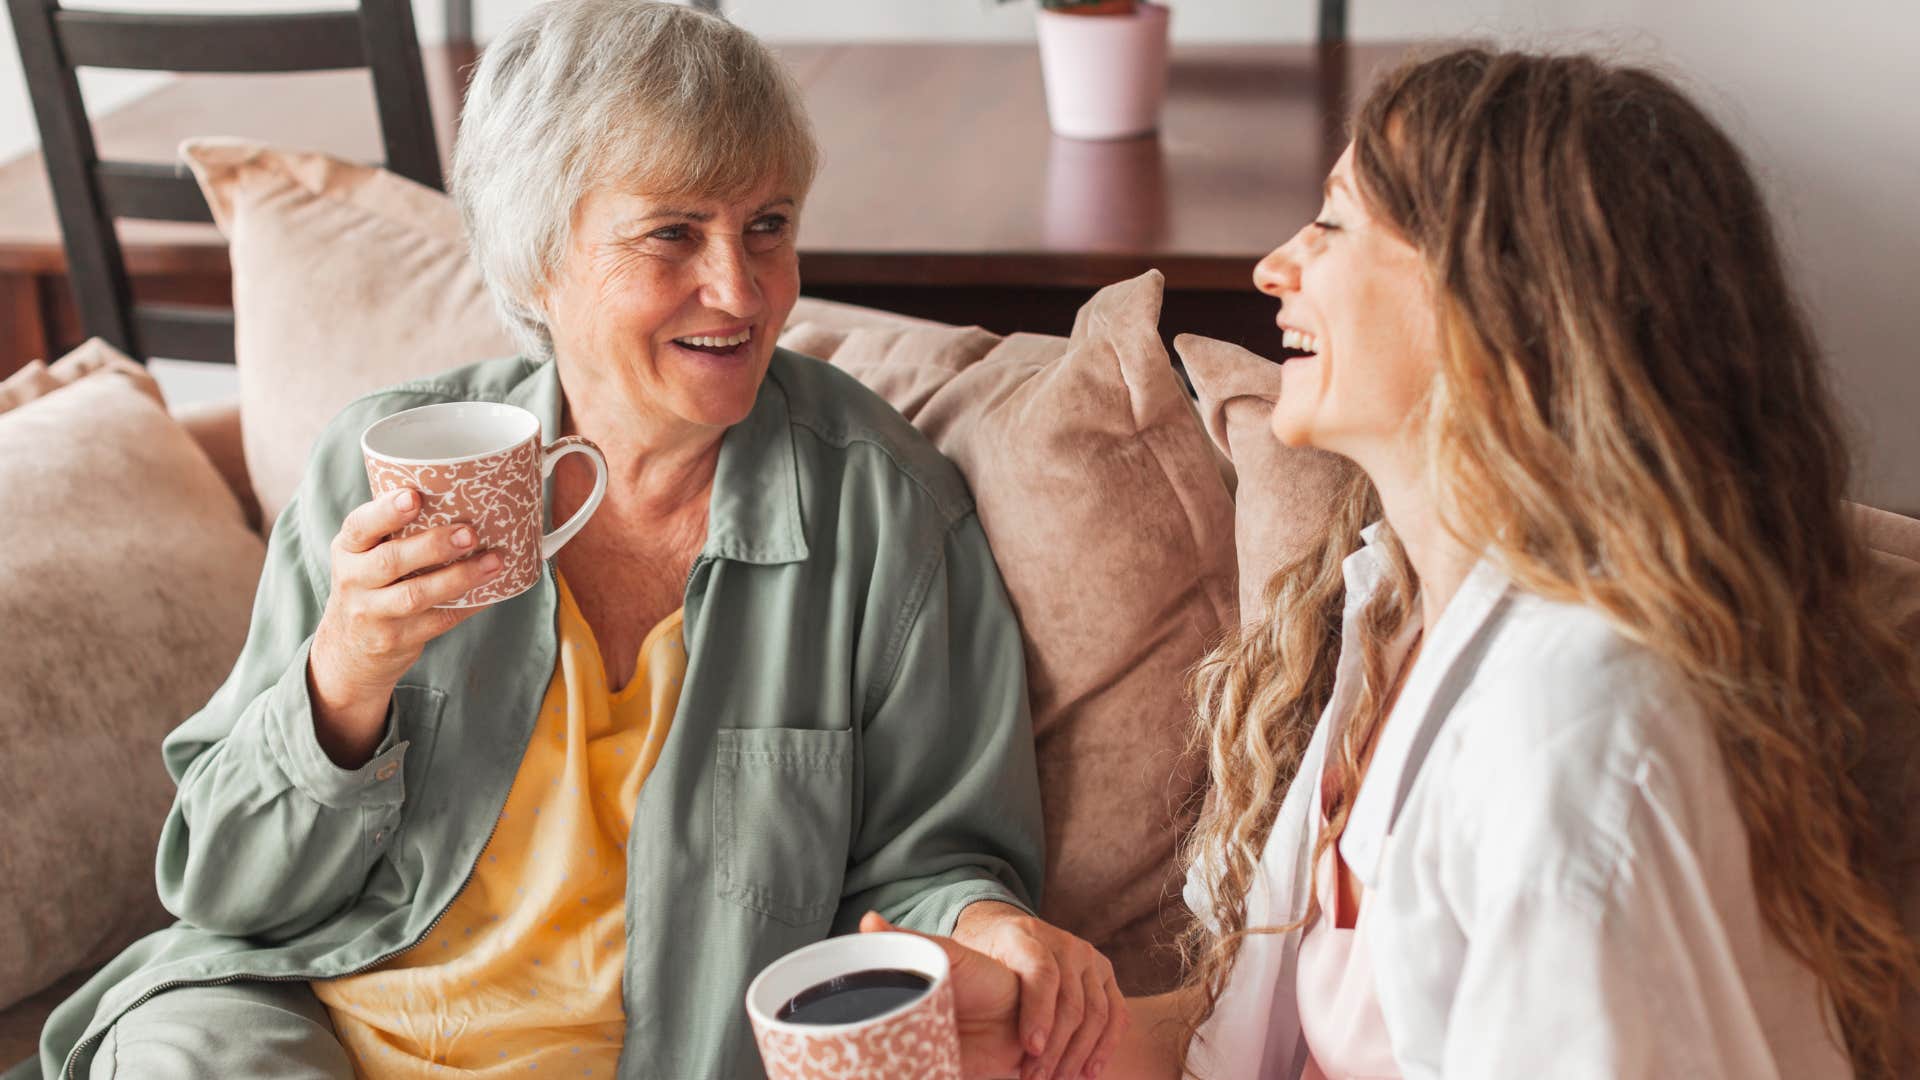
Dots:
(275, 1030)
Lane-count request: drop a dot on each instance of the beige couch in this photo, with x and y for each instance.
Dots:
(1128, 524)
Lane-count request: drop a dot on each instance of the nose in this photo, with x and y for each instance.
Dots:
(728, 283)
(1279, 272)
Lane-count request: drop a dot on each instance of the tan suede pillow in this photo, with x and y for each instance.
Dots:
(1889, 774)
(346, 278)
(1284, 496)
(126, 579)
(1113, 528)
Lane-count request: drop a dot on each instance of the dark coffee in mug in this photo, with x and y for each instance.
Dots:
(851, 998)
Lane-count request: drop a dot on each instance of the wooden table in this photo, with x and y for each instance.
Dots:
(943, 193)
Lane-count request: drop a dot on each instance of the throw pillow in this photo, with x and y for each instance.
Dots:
(1284, 495)
(1889, 774)
(1113, 528)
(126, 579)
(346, 278)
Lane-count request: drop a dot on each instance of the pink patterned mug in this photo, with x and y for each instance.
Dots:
(914, 1039)
(482, 463)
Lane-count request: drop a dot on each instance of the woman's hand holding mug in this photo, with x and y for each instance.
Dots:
(380, 615)
(454, 525)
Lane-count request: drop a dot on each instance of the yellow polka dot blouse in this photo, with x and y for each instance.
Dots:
(522, 975)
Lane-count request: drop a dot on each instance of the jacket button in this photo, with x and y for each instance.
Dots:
(380, 837)
(386, 771)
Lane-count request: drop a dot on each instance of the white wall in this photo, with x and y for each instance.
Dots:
(1824, 96)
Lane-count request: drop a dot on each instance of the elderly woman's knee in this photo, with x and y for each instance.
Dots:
(276, 1029)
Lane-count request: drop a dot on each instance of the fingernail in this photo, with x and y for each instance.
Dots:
(490, 562)
(462, 537)
(1037, 1042)
(403, 499)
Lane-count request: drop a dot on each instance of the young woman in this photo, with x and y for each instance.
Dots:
(1546, 770)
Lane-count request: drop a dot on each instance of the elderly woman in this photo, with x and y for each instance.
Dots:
(773, 685)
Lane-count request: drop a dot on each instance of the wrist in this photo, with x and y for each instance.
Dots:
(978, 919)
(348, 722)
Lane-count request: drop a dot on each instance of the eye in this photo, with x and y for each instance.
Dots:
(671, 234)
(1326, 226)
(768, 233)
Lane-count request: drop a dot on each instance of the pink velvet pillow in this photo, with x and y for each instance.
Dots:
(1113, 528)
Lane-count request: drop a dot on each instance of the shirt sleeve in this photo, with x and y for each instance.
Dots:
(950, 800)
(267, 837)
(1628, 972)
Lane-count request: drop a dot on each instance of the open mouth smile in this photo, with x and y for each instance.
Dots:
(728, 346)
(1296, 344)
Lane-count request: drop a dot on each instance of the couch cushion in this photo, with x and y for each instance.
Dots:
(1113, 528)
(126, 577)
(1889, 774)
(1283, 496)
(346, 278)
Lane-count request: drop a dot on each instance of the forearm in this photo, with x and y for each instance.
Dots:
(348, 721)
(1155, 1039)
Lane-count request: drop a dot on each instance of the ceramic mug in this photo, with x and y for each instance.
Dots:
(482, 463)
(917, 1039)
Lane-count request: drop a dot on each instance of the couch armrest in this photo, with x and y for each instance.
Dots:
(215, 426)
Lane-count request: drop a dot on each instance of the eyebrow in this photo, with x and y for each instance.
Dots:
(701, 215)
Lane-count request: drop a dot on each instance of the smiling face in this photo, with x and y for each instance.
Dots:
(1358, 320)
(675, 303)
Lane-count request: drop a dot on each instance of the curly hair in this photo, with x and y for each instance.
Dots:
(1632, 414)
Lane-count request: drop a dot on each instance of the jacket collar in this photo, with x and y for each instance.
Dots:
(753, 515)
(1445, 664)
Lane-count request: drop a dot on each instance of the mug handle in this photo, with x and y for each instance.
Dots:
(550, 455)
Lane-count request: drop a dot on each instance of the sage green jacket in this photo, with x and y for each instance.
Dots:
(852, 734)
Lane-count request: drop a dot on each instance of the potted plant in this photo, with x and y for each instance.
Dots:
(1105, 66)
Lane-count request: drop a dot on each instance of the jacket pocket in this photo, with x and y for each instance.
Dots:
(416, 714)
(782, 812)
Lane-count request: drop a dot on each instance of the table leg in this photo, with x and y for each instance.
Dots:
(23, 325)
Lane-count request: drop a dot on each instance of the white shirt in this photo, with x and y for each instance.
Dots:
(1558, 875)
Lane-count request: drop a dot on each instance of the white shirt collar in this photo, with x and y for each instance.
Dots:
(1437, 675)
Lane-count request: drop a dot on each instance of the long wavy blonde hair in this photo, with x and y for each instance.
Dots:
(1631, 414)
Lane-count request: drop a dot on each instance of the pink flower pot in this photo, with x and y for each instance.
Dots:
(1106, 75)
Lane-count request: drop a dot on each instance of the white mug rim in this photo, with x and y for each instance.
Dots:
(458, 406)
(921, 946)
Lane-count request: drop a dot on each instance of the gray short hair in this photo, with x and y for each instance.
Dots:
(657, 98)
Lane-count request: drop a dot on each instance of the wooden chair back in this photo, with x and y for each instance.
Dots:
(91, 193)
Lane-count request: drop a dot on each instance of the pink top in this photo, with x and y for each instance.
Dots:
(1339, 1011)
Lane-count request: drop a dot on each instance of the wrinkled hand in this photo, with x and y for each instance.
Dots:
(986, 1003)
(378, 619)
(1072, 1014)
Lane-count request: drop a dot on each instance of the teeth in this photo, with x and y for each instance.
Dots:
(1296, 339)
(740, 338)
